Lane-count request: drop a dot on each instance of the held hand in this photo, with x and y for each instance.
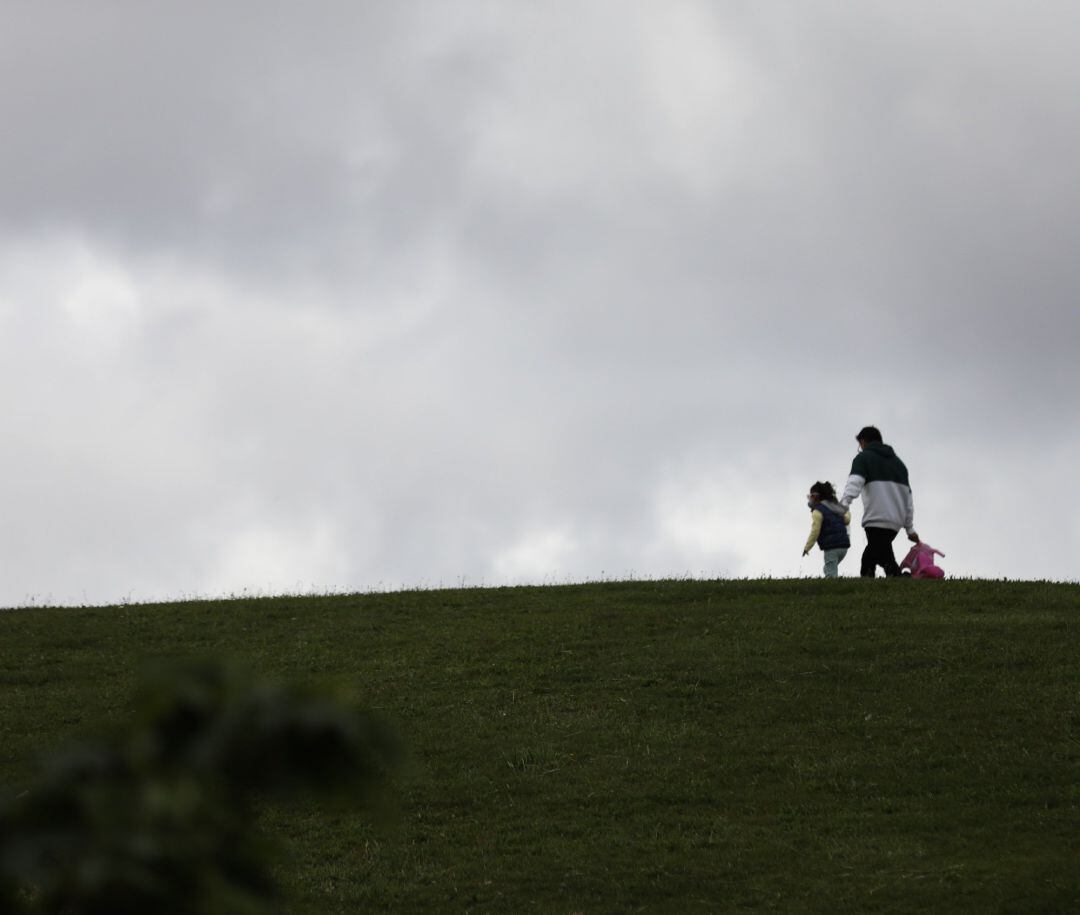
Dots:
(804, 552)
(913, 537)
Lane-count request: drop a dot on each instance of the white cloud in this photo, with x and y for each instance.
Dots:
(101, 300)
(308, 556)
(536, 557)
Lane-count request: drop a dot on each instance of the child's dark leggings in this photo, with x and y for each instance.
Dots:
(879, 552)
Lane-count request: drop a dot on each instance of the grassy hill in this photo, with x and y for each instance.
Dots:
(689, 746)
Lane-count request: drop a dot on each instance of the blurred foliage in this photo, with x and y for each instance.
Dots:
(161, 817)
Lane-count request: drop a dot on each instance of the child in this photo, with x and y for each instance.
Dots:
(828, 527)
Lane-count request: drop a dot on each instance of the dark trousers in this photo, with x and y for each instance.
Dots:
(879, 552)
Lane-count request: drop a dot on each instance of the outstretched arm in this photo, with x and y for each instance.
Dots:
(815, 530)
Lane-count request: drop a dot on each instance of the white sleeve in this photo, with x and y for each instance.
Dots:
(854, 486)
(909, 514)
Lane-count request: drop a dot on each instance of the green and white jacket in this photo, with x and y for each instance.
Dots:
(882, 480)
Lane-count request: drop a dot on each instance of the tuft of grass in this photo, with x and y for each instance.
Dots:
(692, 746)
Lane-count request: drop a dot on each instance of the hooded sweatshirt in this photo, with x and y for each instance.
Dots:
(882, 480)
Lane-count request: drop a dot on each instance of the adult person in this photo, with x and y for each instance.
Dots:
(882, 480)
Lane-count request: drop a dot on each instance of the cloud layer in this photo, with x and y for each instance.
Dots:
(362, 295)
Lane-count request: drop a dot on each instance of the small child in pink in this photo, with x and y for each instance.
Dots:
(919, 562)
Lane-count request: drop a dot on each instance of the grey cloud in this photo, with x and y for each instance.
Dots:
(358, 293)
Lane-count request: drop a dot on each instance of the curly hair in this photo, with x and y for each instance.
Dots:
(824, 491)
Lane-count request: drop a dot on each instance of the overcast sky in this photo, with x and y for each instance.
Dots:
(337, 296)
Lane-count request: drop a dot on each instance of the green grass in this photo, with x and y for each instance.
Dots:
(691, 746)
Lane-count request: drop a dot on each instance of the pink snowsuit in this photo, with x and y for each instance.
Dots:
(920, 560)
